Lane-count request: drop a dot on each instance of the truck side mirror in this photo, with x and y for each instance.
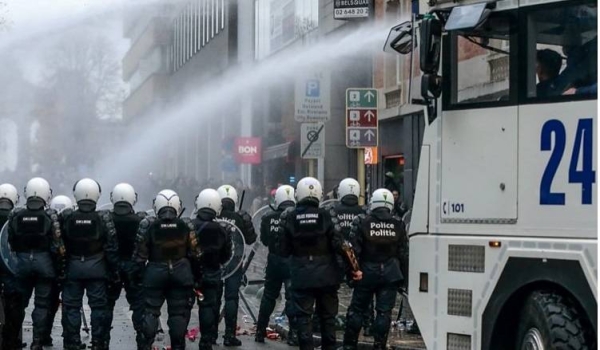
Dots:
(400, 39)
(431, 44)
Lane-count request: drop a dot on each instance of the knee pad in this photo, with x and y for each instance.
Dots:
(354, 320)
(271, 294)
(42, 303)
(383, 320)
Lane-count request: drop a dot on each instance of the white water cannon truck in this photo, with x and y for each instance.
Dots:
(503, 233)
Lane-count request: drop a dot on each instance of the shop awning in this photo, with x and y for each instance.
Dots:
(281, 150)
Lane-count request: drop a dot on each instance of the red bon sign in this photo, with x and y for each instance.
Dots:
(248, 150)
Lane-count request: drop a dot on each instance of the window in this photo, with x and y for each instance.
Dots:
(479, 63)
(280, 22)
(562, 47)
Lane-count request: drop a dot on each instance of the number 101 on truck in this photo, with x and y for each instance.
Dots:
(503, 234)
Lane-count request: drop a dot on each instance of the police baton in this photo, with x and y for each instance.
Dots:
(242, 200)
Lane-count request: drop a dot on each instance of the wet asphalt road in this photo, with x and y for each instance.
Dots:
(123, 335)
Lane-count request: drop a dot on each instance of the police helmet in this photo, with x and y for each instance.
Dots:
(228, 192)
(123, 192)
(284, 193)
(382, 198)
(209, 199)
(8, 191)
(167, 199)
(38, 187)
(309, 187)
(61, 202)
(87, 189)
(348, 187)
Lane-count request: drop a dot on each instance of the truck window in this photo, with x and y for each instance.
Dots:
(562, 52)
(479, 64)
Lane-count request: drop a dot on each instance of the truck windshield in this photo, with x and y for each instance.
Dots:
(480, 61)
(565, 43)
(535, 54)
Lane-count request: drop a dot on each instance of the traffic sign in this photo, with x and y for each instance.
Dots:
(345, 9)
(361, 118)
(312, 100)
(312, 143)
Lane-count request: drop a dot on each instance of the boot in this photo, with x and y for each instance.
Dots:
(380, 341)
(367, 331)
(36, 344)
(73, 346)
(260, 336)
(229, 339)
(205, 346)
(99, 345)
(47, 341)
(378, 345)
(292, 339)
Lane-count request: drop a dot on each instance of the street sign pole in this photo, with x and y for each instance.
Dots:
(311, 167)
(321, 170)
(361, 175)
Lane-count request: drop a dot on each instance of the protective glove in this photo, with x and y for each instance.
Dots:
(61, 279)
(136, 274)
(198, 291)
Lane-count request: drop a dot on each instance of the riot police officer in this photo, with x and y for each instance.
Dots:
(379, 240)
(312, 237)
(58, 203)
(278, 268)
(243, 221)
(216, 249)
(11, 297)
(347, 210)
(92, 261)
(127, 221)
(168, 244)
(34, 235)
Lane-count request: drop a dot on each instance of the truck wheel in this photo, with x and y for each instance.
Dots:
(548, 322)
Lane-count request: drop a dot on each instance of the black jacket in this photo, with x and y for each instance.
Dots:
(271, 234)
(127, 223)
(215, 244)
(312, 240)
(102, 262)
(34, 230)
(381, 246)
(347, 210)
(241, 219)
(172, 257)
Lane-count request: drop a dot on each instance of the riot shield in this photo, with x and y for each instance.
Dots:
(329, 202)
(256, 218)
(105, 206)
(237, 249)
(8, 258)
(406, 219)
(256, 261)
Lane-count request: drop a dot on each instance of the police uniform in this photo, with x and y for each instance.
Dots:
(312, 239)
(126, 224)
(168, 245)
(92, 260)
(347, 210)
(380, 244)
(232, 285)
(216, 251)
(34, 235)
(11, 331)
(277, 274)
